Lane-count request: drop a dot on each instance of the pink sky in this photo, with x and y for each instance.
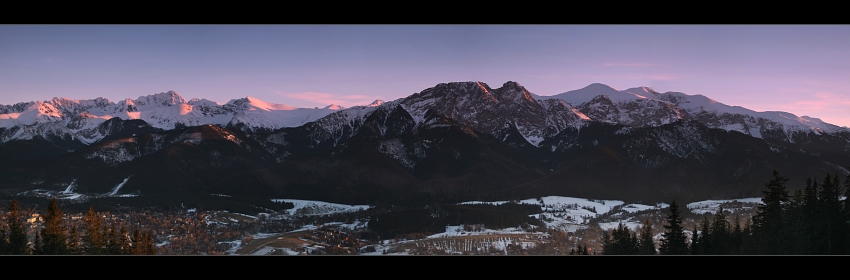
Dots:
(804, 70)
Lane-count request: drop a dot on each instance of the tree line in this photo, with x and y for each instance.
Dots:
(812, 221)
(56, 236)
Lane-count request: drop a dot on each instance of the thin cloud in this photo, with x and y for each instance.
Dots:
(654, 77)
(626, 64)
(545, 76)
(829, 107)
(823, 102)
(323, 98)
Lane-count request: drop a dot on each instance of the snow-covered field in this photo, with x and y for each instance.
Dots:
(571, 213)
(732, 205)
(312, 207)
(566, 213)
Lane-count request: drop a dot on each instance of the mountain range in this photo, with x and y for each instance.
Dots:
(454, 141)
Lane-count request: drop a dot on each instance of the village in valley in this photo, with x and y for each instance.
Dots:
(320, 228)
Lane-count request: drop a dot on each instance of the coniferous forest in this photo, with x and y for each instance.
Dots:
(58, 236)
(812, 221)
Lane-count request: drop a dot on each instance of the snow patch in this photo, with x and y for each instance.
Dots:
(711, 206)
(313, 207)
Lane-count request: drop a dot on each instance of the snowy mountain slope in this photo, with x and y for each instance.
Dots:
(716, 114)
(585, 94)
(643, 106)
(495, 110)
(79, 119)
(460, 140)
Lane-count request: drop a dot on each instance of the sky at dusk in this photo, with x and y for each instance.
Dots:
(802, 69)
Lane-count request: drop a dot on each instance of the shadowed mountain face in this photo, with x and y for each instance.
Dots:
(450, 143)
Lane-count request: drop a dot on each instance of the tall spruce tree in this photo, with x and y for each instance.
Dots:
(74, 245)
(696, 247)
(94, 242)
(706, 244)
(798, 222)
(737, 236)
(17, 234)
(769, 222)
(674, 241)
(647, 245)
(113, 246)
(720, 233)
(833, 222)
(54, 235)
(143, 243)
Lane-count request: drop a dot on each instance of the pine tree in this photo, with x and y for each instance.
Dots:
(147, 245)
(798, 222)
(581, 249)
(94, 242)
(696, 247)
(142, 243)
(769, 229)
(737, 236)
(720, 233)
(607, 243)
(113, 241)
(621, 241)
(647, 245)
(54, 235)
(74, 245)
(17, 235)
(674, 241)
(830, 213)
(705, 239)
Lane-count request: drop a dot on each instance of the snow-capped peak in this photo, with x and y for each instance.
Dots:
(642, 106)
(585, 94)
(252, 103)
(163, 99)
(643, 92)
(375, 103)
(166, 110)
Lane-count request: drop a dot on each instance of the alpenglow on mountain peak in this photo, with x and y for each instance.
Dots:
(80, 119)
(494, 111)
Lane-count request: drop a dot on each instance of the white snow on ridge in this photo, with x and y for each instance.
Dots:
(163, 110)
(699, 104)
(583, 95)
